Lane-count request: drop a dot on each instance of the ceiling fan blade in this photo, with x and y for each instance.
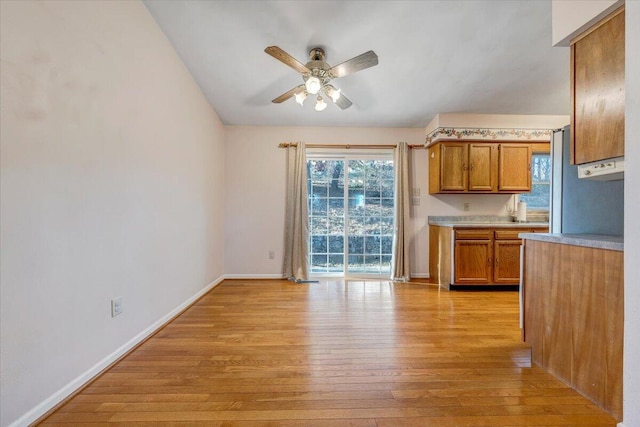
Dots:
(285, 58)
(360, 62)
(288, 94)
(344, 102)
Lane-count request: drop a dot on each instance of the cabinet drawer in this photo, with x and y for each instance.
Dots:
(538, 230)
(474, 234)
(508, 234)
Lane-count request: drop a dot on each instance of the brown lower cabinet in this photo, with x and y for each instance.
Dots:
(506, 267)
(473, 262)
(488, 256)
(476, 256)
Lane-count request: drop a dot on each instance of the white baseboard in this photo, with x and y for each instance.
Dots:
(280, 276)
(254, 276)
(57, 397)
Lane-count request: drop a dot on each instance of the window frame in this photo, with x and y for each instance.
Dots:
(537, 210)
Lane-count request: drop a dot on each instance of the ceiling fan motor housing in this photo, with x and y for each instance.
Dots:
(317, 65)
(316, 54)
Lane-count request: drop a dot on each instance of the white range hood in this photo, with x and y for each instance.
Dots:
(604, 170)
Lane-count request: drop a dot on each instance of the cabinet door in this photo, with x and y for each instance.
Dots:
(506, 266)
(473, 263)
(597, 93)
(514, 167)
(482, 167)
(453, 166)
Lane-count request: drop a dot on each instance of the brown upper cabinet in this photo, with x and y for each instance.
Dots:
(453, 158)
(597, 91)
(479, 167)
(515, 167)
(482, 173)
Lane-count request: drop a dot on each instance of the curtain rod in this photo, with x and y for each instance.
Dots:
(347, 146)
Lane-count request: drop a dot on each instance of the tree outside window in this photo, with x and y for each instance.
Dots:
(540, 195)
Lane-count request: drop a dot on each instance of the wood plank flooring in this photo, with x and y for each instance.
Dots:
(355, 353)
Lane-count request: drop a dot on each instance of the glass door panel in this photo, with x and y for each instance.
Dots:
(364, 222)
(326, 215)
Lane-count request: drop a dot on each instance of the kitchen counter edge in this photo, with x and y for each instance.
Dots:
(597, 241)
(455, 224)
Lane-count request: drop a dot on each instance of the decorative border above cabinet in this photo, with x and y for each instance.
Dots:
(494, 134)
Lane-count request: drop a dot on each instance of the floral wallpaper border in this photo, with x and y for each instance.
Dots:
(492, 134)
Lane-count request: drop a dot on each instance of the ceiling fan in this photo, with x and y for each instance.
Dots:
(317, 74)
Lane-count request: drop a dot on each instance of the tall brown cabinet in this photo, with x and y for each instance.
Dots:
(597, 92)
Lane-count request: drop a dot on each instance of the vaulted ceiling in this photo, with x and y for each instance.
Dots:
(434, 57)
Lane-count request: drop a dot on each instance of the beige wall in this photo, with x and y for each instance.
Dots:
(255, 197)
(571, 17)
(112, 185)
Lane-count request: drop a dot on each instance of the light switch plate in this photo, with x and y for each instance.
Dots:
(116, 307)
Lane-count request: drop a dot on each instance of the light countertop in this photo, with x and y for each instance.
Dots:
(482, 221)
(598, 241)
(489, 224)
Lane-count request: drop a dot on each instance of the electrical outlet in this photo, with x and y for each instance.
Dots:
(116, 306)
(415, 201)
(272, 255)
(509, 208)
(467, 206)
(416, 192)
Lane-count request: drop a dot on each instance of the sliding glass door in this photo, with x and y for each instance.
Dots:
(351, 215)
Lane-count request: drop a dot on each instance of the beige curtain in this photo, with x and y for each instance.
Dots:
(400, 258)
(296, 228)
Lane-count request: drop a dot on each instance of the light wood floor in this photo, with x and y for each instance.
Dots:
(274, 353)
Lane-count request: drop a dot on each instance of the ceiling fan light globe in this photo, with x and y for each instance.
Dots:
(313, 85)
(335, 95)
(320, 104)
(300, 97)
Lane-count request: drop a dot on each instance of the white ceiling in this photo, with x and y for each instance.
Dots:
(434, 57)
